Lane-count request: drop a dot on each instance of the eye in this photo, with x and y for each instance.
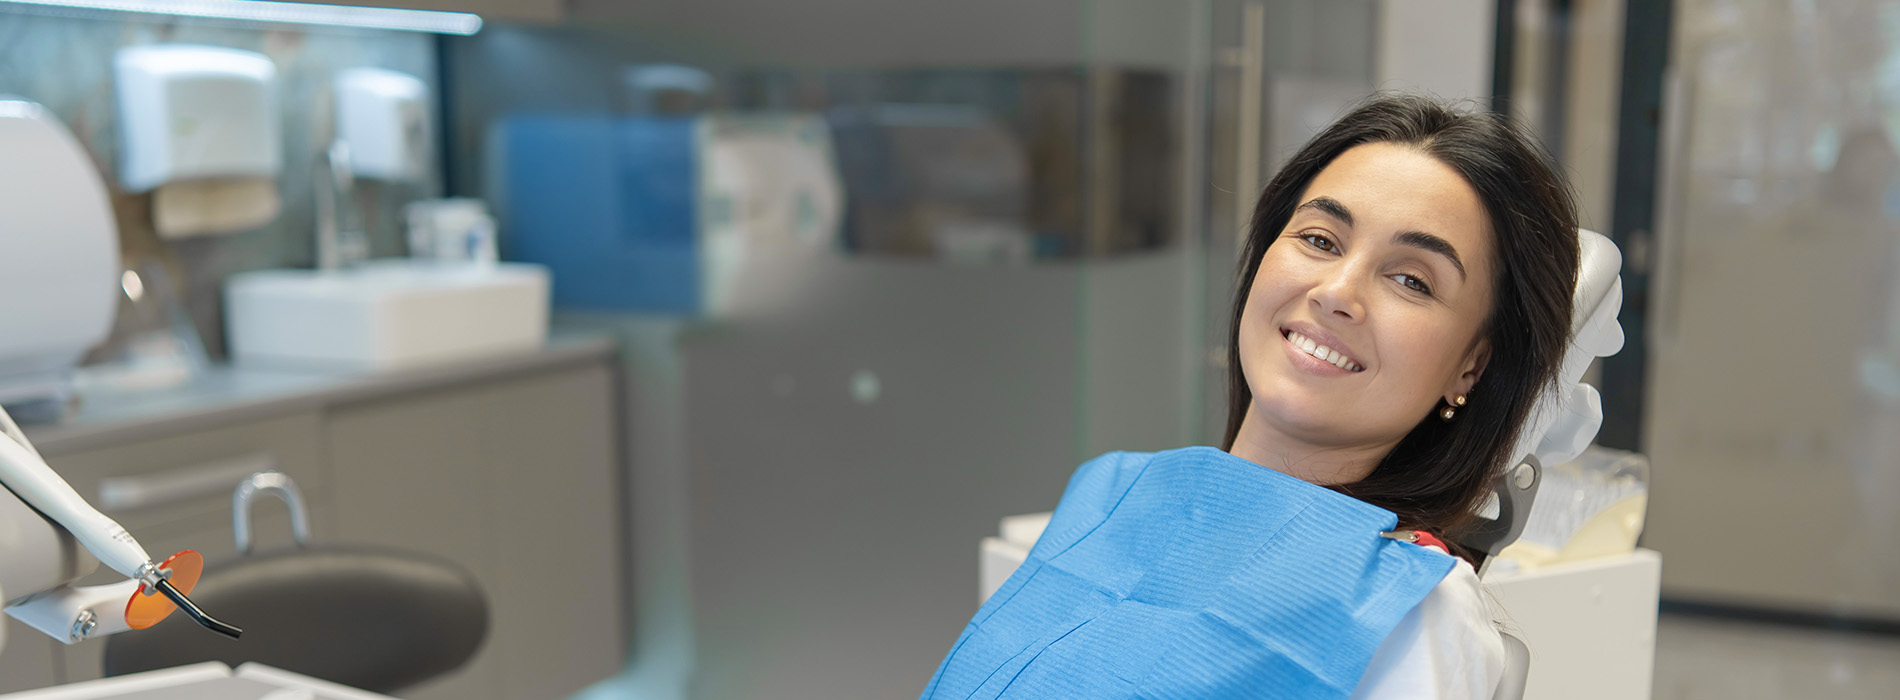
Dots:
(1413, 283)
(1319, 241)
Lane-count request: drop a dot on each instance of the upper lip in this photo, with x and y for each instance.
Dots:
(1323, 337)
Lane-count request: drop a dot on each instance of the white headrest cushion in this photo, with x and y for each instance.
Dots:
(1568, 414)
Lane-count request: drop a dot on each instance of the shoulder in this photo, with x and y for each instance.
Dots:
(1447, 647)
(1094, 491)
(1110, 472)
(1099, 484)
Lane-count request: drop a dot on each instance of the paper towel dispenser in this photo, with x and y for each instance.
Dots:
(190, 111)
(384, 117)
(200, 126)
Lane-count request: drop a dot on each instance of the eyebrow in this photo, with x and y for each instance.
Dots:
(1429, 242)
(1415, 239)
(1328, 206)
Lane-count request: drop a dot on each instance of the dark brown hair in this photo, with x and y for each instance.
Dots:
(1438, 473)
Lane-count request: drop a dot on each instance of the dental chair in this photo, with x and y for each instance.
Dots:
(1592, 622)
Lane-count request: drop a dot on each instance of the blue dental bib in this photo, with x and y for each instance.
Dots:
(1192, 573)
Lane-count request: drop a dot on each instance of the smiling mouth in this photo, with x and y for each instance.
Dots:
(1322, 352)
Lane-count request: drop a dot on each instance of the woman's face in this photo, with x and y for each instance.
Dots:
(1387, 264)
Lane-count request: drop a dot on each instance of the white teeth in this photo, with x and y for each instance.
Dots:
(1322, 352)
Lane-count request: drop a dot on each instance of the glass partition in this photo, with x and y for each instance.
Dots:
(883, 279)
(1774, 391)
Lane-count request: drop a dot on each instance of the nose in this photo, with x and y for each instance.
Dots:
(1338, 292)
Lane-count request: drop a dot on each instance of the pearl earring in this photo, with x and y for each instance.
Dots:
(1456, 402)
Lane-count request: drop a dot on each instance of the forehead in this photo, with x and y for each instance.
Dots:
(1392, 189)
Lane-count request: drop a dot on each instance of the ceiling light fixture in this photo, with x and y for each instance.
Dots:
(461, 23)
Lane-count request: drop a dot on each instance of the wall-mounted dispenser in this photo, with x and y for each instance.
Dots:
(200, 128)
(384, 117)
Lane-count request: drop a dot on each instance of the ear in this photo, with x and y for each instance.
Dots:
(1470, 370)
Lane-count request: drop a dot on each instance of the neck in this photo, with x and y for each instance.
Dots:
(1325, 465)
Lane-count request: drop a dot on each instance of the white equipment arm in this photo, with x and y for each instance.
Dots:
(35, 587)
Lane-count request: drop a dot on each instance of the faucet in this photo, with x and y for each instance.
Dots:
(341, 244)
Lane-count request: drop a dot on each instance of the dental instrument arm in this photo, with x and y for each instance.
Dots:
(37, 591)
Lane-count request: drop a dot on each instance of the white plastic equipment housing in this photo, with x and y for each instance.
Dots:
(59, 253)
(56, 612)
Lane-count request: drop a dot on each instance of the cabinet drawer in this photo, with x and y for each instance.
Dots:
(175, 492)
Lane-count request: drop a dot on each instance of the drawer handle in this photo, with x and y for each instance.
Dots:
(123, 493)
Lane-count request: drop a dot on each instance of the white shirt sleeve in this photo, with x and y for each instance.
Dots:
(1446, 648)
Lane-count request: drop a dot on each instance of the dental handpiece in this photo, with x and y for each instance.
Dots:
(24, 473)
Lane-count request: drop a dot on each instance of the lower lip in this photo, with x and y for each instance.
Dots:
(1309, 363)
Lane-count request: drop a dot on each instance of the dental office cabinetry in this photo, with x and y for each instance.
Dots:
(507, 466)
(529, 503)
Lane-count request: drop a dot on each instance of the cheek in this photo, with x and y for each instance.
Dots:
(1252, 335)
(1427, 354)
(1274, 284)
(1257, 328)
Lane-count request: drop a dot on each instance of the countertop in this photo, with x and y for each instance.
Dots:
(225, 394)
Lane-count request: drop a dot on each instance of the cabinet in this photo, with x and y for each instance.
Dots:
(511, 475)
(523, 494)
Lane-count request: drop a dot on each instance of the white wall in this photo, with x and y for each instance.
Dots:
(1441, 47)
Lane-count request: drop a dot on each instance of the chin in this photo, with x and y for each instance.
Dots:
(1299, 417)
(1318, 421)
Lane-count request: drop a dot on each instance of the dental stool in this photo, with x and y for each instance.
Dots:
(376, 619)
(1592, 623)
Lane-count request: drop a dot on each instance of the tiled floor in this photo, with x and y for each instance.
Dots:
(1700, 658)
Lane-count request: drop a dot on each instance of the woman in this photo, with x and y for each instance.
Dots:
(1404, 297)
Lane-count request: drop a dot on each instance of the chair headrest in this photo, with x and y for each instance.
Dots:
(1568, 413)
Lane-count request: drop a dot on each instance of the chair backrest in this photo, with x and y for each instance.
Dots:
(1564, 423)
(1517, 669)
(379, 620)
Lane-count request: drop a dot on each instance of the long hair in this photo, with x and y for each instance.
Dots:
(1436, 475)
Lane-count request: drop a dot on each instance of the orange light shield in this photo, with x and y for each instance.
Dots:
(148, 606)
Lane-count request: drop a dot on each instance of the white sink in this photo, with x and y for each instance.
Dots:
(385, 314)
